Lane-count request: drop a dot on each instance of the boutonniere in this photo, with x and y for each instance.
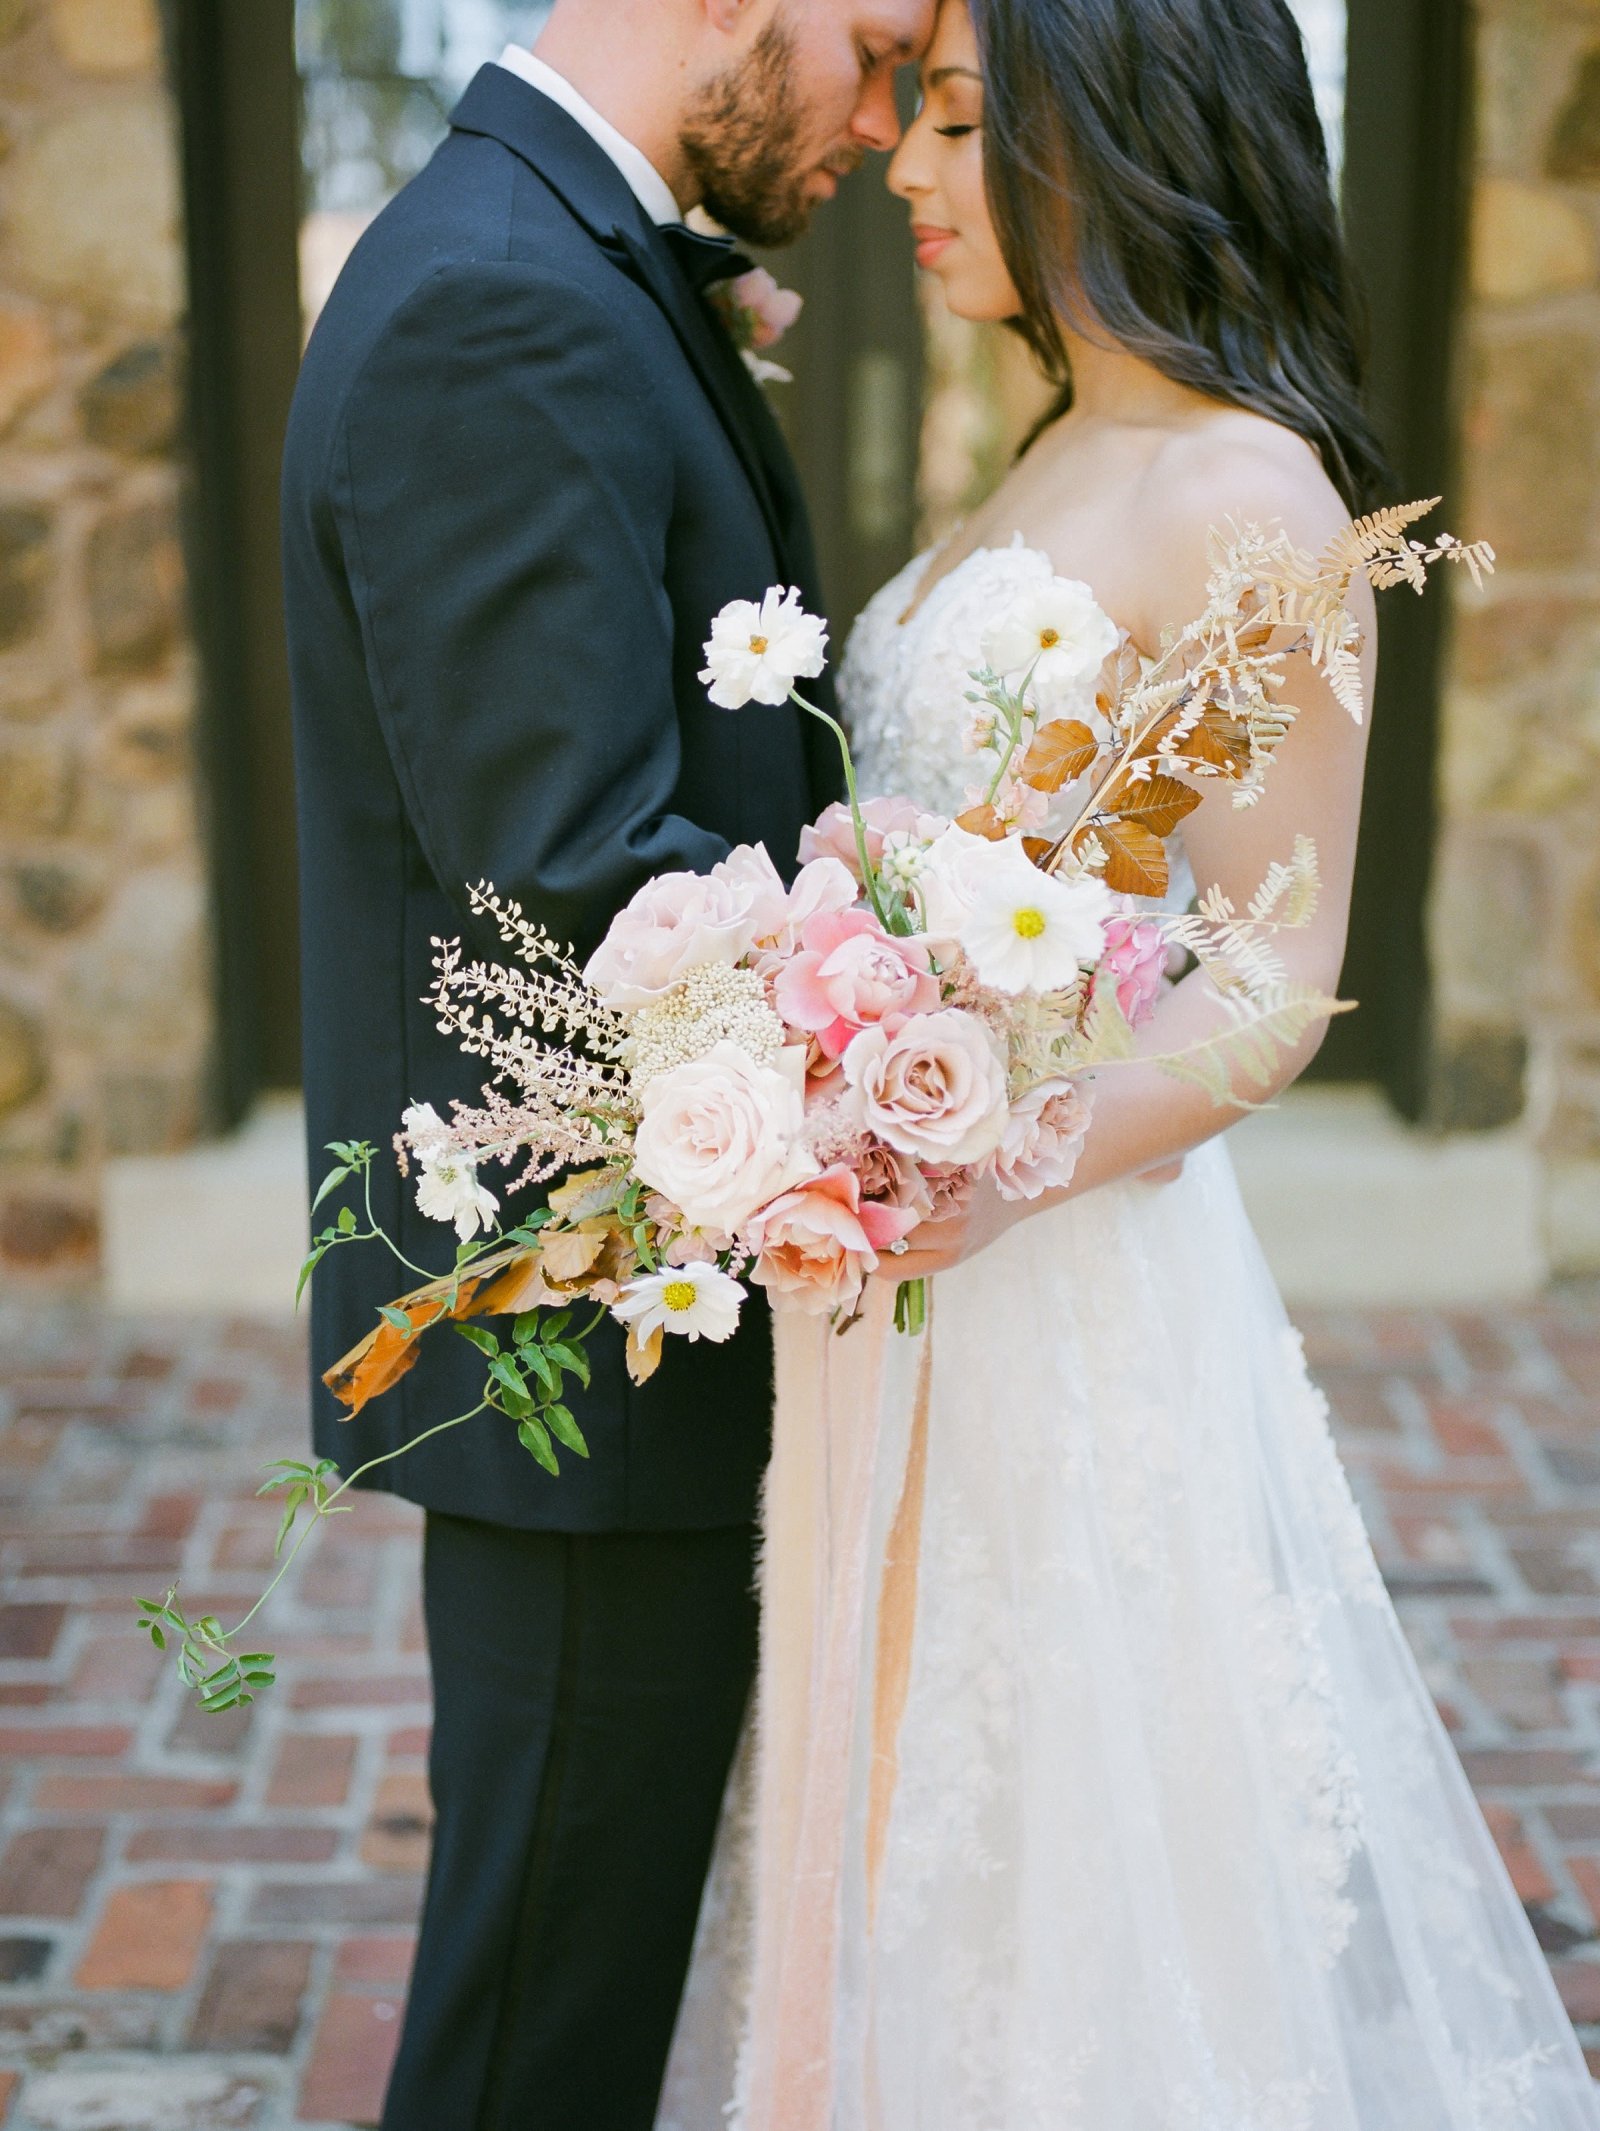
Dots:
(758, 313)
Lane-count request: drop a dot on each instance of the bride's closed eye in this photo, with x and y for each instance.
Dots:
(954, 133)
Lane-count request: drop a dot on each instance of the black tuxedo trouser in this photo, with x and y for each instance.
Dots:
(588, 1695)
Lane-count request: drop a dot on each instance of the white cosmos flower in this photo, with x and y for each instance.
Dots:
(448, 1190)
(426, 1133)
(755, 654)
(1060, 630)
(700, 1301)
(1027, 931)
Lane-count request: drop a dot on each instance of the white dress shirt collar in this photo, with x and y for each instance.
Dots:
(647, 184)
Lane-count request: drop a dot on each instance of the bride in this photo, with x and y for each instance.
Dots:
(1095, 1787)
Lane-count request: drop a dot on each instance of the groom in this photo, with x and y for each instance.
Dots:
(525, 468)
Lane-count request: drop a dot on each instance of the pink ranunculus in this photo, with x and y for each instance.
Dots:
(1135, 961)
(771, 310)
(932, 1085)
(817, 1243)
(679, 920)
(832, 834)
(721, 1135)
(850, 973)
(1043, 1139)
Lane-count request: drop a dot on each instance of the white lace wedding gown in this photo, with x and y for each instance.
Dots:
(1096, 1788)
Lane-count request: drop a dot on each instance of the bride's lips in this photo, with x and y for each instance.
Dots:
(930, 241)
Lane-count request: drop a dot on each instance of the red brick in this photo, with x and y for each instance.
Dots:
(131, 1794)
(46, 1871)
(1574, 1822)
(223, 1843)
(1579, 1985)
(8, 2087)
(1464, 1428)
(350, 2060)
(25, 1694)
(1586, 1878)
(169, 1516)
(116, 1668)
(252, 1996)
(30, 1630)
(362, 1691)
(149, 1936)
(376, 1959)
(410, 1742)
(1528, 1875)
(47, 1742)
(313, 1769)
(398, 1833)
(1512, 1768)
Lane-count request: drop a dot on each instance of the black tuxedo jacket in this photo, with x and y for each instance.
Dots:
(525, 467)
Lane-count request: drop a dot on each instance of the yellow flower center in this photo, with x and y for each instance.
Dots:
(1048, 639)
(1029, 923)
(679, 1294)
(758, 644)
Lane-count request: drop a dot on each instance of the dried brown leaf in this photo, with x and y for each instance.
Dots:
(1136, 864)
(982, 821)
(643, 1355)
(1160, 803)
(1060, 751)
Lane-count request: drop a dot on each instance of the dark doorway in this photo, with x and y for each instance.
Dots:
(233, 66)
(1405, 192)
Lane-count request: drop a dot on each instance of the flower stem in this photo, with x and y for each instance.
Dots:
(869, 878)
(911, 1306)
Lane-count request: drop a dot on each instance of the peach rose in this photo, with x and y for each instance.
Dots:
(933, 1085)
(722, 1135)
(850, 973)
(817, 1243)
(679, 920)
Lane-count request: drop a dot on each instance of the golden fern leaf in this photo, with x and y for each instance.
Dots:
(1371, 539)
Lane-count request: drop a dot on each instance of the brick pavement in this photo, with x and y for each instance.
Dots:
(207, 1922)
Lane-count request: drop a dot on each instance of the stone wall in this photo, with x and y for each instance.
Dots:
(1515, 917)
(104, 993)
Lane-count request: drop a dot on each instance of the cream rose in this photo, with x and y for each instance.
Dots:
(722, 1135)
(933, 1086)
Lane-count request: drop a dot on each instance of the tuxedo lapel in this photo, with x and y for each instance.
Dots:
(555, 147)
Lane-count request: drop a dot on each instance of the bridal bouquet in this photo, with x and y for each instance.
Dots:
(754, 1082)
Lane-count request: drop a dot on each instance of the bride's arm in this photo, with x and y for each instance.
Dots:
(1144, 1118)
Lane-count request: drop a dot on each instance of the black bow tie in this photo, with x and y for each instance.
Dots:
(705, 260)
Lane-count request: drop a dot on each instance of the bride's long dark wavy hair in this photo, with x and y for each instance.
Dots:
(1158, 168)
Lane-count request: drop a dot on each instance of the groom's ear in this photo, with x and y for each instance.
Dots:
(731, 16)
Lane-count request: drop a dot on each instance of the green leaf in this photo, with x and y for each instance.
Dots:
(397, 1318)
(539, 1362)
(331, 1182)
(556, 1323)
(156, 1635)
(503, 1370)
(485, 1342)
(565, 1429)
(517, 1403)
(347, 1221)
(306, 1270)
(570, 1357)
(525, 1327)
(532, 1435)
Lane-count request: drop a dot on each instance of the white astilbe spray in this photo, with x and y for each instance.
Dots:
(714, 1004)
(563, 1101)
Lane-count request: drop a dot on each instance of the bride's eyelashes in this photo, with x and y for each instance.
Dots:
(954, 133)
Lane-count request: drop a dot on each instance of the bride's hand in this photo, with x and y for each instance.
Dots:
(934, 1246)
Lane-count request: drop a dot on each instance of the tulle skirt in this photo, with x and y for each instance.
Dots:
(1093, 1784)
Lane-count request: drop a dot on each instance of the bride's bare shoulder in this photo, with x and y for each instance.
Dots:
(1232, 466)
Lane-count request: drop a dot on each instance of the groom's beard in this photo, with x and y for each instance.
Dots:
(742, 141)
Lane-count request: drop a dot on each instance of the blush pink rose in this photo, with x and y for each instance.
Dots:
(1043, 1138)
(771, 310)
(850, 973)
(1135, 961)
(832, 834)
(932, 1085)
(679, 920)
(890, 1177)
(816, 1244)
